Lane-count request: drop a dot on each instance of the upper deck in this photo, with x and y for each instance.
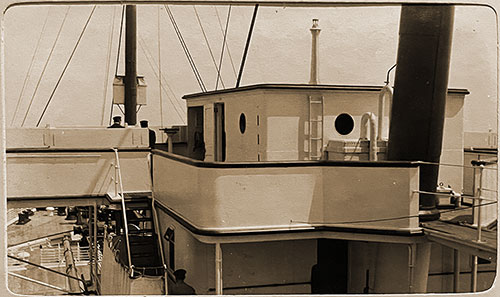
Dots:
(217, 198)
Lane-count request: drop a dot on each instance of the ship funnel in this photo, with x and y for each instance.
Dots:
(420, 88)
(315, 53)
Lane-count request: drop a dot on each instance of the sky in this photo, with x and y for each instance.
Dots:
(357, 47)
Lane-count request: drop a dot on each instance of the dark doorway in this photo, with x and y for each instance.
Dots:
(220, 133)
(196, 143)
(329, 275)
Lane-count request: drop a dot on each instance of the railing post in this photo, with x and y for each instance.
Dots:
(478, 175)
(218, 269)
(94, 244)
(456, 271)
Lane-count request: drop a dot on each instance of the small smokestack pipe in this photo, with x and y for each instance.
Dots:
(420, 89)
(315, 53)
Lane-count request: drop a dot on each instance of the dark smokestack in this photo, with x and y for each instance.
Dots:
(130, 65)
(420, 89)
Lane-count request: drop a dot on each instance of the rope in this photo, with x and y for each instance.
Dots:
(108, 64)
(45, 66)
(159, 67)
(208, 43)
(142, 46)
(222, 31)
(28, 73)
(66, 66)
(186, 50)
(223, 46)
(117, 58)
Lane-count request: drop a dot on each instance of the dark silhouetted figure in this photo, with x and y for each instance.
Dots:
(152, 134)
(180, 287)
(117, 122)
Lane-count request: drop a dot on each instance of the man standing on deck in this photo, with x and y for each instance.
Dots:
(117, 122)
(180, 287)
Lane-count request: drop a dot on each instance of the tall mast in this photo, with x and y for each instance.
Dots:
(131, 65)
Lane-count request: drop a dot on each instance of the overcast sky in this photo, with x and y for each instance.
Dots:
(357, 46)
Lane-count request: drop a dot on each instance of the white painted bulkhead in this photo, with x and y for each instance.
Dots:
(278, 266)
(275, 267)
(235, 198)
(277, 122)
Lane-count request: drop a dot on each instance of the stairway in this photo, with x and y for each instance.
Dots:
(144, 250)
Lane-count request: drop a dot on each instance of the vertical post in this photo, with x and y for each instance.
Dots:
(91, 244)
(95, 240)
(473, 275)
(422, 262)
(131, 65)
(218, 269)
(315, 53)
(479, 201)
(477, 213)
(456, 271)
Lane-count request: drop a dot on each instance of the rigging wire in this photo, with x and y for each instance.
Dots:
(391, 218)
(108, 65)
(45, 66)
(186, 50)
(208, 43)
(117, 58)
(120, 40)
(151, 63)
(159, 66)
(66, 66)
(30, 67)
(146, 52)
(247, 45)
(120, 108)
(223, 46)
(222, 32)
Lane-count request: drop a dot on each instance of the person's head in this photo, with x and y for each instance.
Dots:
(117, 119)
(144, 124)
(180, 274)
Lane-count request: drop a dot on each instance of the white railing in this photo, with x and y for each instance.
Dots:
(54, 256)
(119, 182)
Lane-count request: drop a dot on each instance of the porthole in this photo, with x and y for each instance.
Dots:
(344, 124)
(243, 123)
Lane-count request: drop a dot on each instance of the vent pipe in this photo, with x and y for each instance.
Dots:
(315, 53)
(420, 89)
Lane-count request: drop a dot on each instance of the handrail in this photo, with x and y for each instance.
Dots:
(125, 223)
(155, 218)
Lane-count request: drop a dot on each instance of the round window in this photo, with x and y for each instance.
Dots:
(243, 123)
(344, 124)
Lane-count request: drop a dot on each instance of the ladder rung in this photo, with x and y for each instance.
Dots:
(316, 121)
(315, 102)
(316, 138)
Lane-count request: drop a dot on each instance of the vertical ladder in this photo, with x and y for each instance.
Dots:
(316, 108)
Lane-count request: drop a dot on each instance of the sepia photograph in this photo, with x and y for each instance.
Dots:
(241, 147)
